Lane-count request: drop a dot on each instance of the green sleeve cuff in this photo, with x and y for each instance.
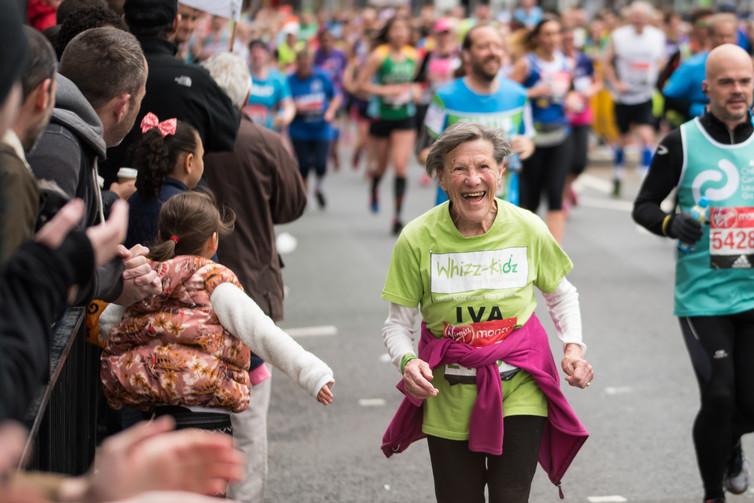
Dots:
(406, 358)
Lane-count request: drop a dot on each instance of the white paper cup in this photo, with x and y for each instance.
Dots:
(127, 175)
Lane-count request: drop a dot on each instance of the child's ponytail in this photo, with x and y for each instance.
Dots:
(159, 152)
(162, 251)
(187, 222)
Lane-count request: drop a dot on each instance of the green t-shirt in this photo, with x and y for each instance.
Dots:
(395, 71)
(457, 281)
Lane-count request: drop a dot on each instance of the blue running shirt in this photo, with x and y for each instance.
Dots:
(266, 97)
(312, 97)
(507, 109)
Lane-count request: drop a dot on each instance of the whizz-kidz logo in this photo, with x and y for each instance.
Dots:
(463, 272)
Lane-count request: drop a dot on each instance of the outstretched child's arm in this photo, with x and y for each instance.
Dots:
(243, 318)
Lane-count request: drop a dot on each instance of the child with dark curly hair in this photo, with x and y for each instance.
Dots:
(169, 161)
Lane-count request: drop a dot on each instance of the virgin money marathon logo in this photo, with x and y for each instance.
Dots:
(724, 218)
(728, 174)
(482, 333)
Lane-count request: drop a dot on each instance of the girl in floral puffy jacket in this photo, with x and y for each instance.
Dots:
(190, 346)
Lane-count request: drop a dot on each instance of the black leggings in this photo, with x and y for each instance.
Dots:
(722, 352)
(545, 171)
(579, 148)
(460, 475)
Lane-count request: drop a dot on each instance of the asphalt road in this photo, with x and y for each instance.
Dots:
(639, 410)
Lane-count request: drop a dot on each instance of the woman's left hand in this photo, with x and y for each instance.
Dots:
(578, 371)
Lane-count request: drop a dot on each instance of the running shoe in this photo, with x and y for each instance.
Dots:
(737, 473)
(321, 202)
(714, 500)
(397, 227)
(374, 204)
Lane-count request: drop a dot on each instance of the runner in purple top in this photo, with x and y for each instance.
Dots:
(332, 62)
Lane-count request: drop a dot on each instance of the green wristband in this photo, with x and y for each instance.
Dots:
(406, 358)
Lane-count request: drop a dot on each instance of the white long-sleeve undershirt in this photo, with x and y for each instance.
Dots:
(398, 331)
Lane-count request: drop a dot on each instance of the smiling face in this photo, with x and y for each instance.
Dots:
(485, 54)
(470, 177)
(187, 17)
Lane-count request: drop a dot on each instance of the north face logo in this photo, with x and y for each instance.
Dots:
(183, 80)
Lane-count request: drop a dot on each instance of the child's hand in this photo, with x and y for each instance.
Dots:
(325, 395)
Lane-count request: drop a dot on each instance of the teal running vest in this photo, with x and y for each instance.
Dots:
(716, 278)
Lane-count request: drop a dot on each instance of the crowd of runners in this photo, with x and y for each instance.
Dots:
(569, 84)
(500, 108)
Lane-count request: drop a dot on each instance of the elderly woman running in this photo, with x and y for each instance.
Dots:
(483, 388)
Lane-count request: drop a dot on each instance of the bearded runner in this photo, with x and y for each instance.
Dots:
(506, 109)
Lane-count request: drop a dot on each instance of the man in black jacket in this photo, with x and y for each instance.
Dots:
(175, 89)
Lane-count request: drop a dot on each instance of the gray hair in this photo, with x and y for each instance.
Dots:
(230, 72)
(464, 132)
(642, 7)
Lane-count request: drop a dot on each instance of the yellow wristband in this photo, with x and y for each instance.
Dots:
(665, 222)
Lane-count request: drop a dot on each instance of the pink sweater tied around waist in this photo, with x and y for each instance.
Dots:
(526, 348)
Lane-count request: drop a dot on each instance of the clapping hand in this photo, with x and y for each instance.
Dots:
(150, 457)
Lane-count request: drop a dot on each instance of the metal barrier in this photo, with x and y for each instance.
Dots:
(63, 418)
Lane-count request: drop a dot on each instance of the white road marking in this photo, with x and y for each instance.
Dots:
(593, 182)
(618, 390)
(606, 499)
(372, 402)
(606, 204)
(320, 331)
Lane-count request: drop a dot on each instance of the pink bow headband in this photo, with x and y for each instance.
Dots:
(150, 121)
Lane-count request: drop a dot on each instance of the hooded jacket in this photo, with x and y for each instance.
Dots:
(170, 349)
(68, 153)
(69, 150)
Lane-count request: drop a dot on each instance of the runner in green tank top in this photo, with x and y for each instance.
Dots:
(388, 78)
(394, 70)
